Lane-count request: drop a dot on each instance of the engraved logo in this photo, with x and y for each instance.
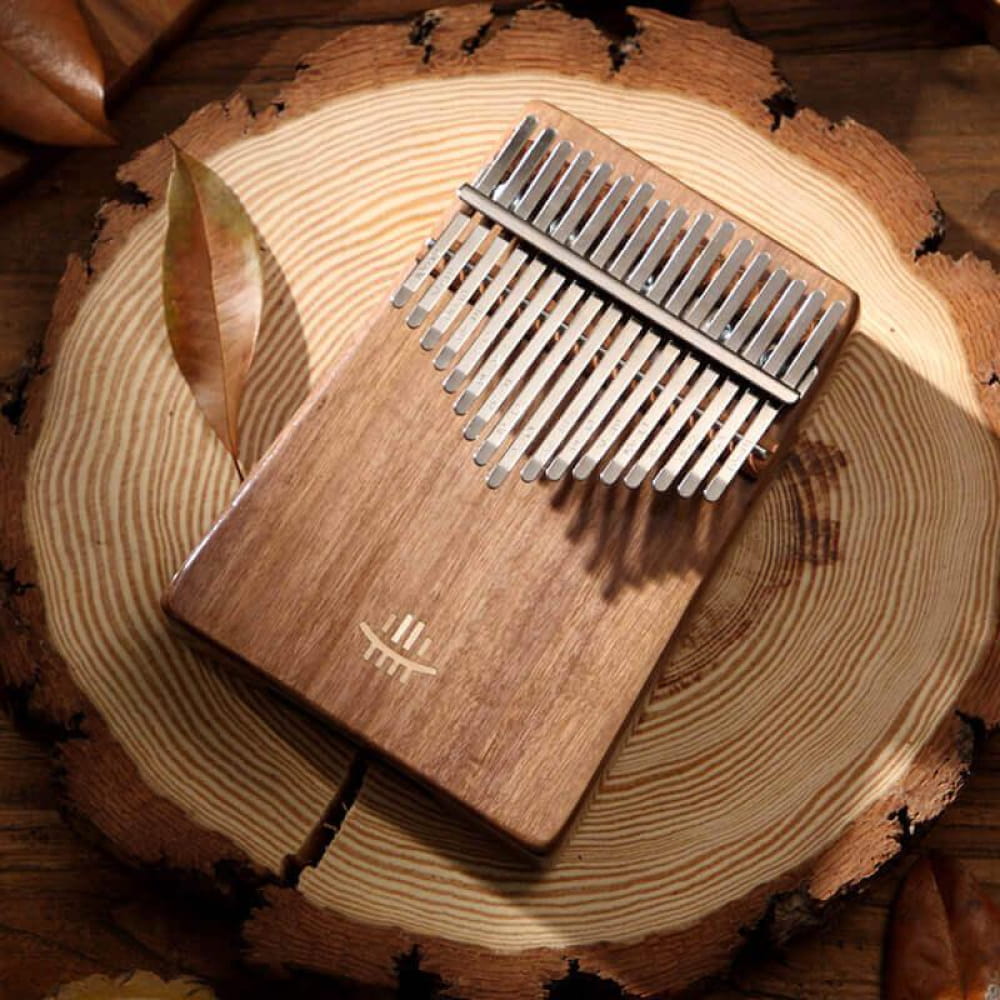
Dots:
(398, 648)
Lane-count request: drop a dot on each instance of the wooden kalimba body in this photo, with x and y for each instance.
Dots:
(621, 350)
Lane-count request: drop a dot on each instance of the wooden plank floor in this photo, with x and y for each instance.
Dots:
(65, 908)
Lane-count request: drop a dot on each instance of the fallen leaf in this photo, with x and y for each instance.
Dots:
(213, 291)
(134, 986)
(944, 936)
(51, 77)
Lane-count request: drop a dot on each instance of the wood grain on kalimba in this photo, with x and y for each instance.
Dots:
(598, 317)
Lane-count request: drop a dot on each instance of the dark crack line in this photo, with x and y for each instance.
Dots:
(932, 241)
(423, 31)
(312, 852)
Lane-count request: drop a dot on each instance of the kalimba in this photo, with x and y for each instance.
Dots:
(619, 349)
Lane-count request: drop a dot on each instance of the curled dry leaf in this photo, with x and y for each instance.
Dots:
(213, 291)
(134, 986)
(51, 77)
(944, 937)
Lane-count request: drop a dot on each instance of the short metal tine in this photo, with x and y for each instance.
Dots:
(695, 274)
(755, 311)
(665, 436)
(698, 311)
(616, 233)
(678, 260)
(794, 332)
(448, 274)
(464, 292)
(518, 370)
(526, 204)
(568, 221)
(512, 337)
(494, 171)
(521, 175)
(657, 410)
(528, 395)
(484, 303)
(592, 344)
(559, 195)
(746, 283)
(814, 343)
(724, 438)
(627, 408)
(695, 437)
(635, 243)
(746, 444)
(657, 249)
(601, 215)
(498, 320)
(768, 330)
(607, 391)
(431, 256)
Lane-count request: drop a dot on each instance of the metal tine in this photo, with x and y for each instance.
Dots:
(654, 254)
(775, 360)
(756, 309)
(425, 265)
(449, 273)
(567, 224)
(667, 396)
(521, 174)
(671, 271)
(529, 277)
(517, 371)
(603, 396)
(775, 320)
(464, 292)
(814, 343)
(698, 311)
(507, 344)
(629, 407)
(678, 300)
(484, 303)
(741, 290)
(601, 216)
(591, 346)
(539, 378)
(621, 225)
(643, 232)
(561, 192)
(609, 398)
(663, 439)
(691, 441)
(723, 439)
(493, 172)
(525, 205)
(734, 461)
(695, 274)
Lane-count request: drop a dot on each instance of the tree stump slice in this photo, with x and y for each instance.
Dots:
(821, 699)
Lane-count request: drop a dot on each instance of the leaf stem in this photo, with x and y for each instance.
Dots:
(239, 471)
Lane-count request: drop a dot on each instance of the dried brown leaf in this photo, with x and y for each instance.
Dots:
(213, 292)
(134, 986)
(944, 937)
(51, 77)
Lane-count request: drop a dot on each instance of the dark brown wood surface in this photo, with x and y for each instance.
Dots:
(945, 121)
